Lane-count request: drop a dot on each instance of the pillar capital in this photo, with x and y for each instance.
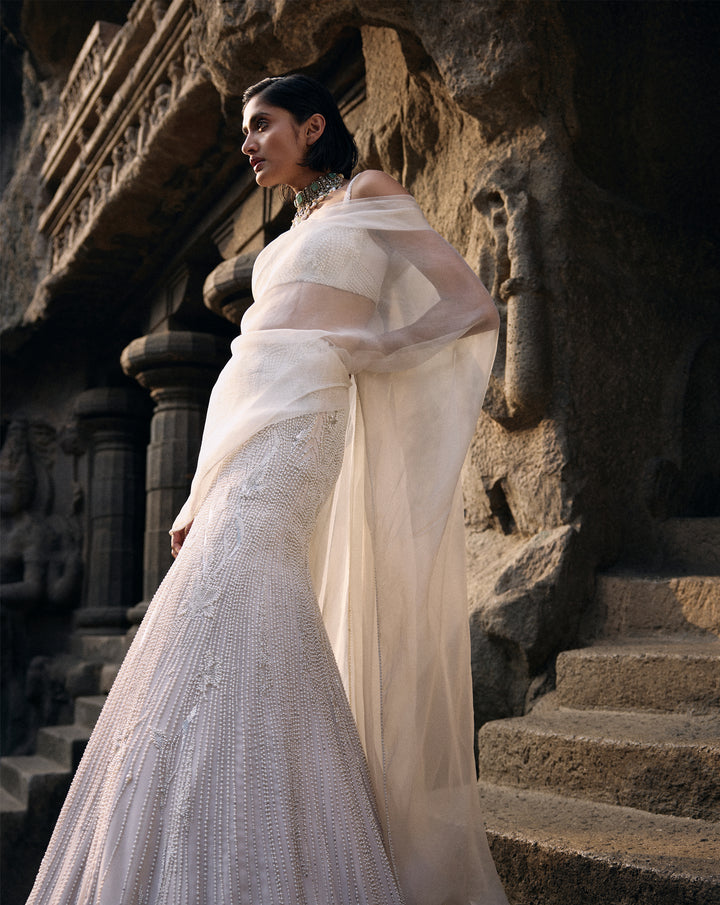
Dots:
(110, 402)
(179, 360)
(228, 288)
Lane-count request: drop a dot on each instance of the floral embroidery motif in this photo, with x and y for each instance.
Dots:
(176, 755)
(228, 718)
(201, 606)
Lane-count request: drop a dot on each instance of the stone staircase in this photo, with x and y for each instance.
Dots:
(608, 792)
(33, 787)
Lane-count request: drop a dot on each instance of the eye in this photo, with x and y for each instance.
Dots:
(261, 125)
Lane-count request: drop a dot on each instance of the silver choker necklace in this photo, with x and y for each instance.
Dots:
(307, 200)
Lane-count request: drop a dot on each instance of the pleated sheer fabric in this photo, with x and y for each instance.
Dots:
(415, 338)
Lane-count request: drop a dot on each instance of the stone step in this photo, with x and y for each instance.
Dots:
(662, 762)
(691, 545)
(553, 850)
(14, 851)
(34, 780)
(629, 603)
(13, 815)
(9, 804)
(64, 744)
(32, 791)
(104, 648)
(87, 709)
(675, 673)
(108, 676)
(83, 677)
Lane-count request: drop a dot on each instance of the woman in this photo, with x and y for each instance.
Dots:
(293, 722)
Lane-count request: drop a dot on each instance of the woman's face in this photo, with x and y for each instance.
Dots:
(276, 145)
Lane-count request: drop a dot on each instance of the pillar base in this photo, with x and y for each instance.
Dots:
(100, 620)
(136, 614)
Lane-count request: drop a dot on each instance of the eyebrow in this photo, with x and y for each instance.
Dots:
(254, 119)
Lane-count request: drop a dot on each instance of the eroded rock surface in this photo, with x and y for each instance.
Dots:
(561, 147)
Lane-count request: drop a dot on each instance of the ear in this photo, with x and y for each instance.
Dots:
(314, 127)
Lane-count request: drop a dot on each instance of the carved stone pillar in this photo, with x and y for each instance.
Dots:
(115, 421)
(179, 368)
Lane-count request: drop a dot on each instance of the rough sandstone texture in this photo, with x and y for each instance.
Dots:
(581, 193)
(564, 148)
(493, 115)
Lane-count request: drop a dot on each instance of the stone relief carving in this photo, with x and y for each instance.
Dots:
(163, 96)
(40, 560)
(192, 60)
(173, 78)
(57, 248)
(49, 136)
(95, 195)
(144, 127)
(514, 274)
(159, 8)
(90, 71)
(176, 74)
(118, 160)
(72, 229)
(104, 179)
(131, 143)
(84, 211)
(150, 118)
(40, 569)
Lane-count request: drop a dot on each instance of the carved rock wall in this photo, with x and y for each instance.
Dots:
(42, 41)
(562, 148)
(556, 172)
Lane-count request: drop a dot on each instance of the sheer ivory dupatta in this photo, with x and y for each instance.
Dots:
(389, 560)
(388, 557)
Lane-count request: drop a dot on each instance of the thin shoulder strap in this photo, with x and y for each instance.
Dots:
(348, 190)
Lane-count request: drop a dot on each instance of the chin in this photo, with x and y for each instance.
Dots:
(265, 180)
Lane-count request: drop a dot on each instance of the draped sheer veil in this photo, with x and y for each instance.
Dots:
(388, 555)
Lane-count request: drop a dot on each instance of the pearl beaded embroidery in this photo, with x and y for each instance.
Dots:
(226, 765)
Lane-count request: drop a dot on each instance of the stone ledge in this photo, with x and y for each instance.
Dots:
(87, 709)
(63, 744)
(553, 850)
(666, 763)
(30, 777)
(153, 145)
(123, 91)
(631, 603)
(108, 675)
(105, 648)
(651, 673)
(9, 804)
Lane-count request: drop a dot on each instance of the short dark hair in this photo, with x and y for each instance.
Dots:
(302, 96)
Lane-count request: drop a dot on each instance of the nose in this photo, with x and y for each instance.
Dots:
(248, 146)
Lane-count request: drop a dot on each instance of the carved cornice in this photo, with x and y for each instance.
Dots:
(119, 100)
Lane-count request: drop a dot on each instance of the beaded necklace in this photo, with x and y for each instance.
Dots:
(308, 199)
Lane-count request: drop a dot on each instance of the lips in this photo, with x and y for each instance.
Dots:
(256, 162)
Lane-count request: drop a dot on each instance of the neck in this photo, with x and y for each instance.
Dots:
(307, 199)
(306, 178)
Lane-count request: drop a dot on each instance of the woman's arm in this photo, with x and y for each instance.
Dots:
(463, 298)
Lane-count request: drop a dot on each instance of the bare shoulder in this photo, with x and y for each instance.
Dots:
(374, 184)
